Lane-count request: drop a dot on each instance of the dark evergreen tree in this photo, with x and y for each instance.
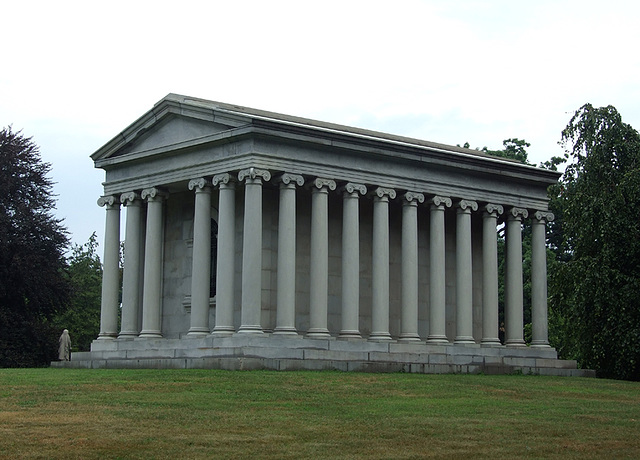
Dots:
(33, 282)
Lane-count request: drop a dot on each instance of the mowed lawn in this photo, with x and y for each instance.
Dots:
(145, 414)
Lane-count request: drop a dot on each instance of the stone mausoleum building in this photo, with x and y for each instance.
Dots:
(259, 240)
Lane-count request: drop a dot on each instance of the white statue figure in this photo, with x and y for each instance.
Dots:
(64, 350)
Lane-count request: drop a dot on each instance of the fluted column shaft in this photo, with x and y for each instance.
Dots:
(152, 288)
(319, 269)
(490, 275)
(437, 280)
(286, 296)
(132, 267)
(110, 270)
(409, 313)
(380, 265)
(252, 250)
(201, 261)
(225, 262)
(351, 260)
(539, 318)
(464, 272)
(514, 334)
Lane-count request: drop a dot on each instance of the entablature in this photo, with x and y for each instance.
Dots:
(182, 138)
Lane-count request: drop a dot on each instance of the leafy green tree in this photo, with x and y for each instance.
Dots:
(595, 291)
(82, 316)
(514, 149)
(33, 283)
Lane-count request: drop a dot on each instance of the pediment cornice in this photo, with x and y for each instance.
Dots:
(205, 123)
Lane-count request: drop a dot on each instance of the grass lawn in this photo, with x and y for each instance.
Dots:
(64, 413)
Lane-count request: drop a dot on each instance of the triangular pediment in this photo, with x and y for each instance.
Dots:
(171, 122)
(171, 131)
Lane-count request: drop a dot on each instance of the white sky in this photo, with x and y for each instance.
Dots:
(73, 74)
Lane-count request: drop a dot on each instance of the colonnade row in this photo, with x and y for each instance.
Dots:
(252, 180)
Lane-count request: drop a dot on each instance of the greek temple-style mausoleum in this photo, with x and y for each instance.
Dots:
(259, 240)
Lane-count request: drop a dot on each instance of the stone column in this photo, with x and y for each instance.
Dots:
(490, 275)
(464, 273)
(201, 261)
(539, 320)
(152, 288)
(437, 280)
(351, 260)
(111, 270)
(225, 276)
(286, 295)
(409, 314)
(132, 261)
(513, 290)
(252, 250)
(319, 269)
(380, 265)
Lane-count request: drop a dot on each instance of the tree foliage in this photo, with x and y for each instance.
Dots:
(514, 149)
(82, 316)
(33, 284)
(595, 291)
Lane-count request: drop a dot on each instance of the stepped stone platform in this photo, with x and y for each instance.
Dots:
(249, 352)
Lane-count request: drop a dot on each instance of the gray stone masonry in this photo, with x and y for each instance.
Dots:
(244, 352)
(258, 240)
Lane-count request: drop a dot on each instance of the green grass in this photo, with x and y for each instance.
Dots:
(63, 413)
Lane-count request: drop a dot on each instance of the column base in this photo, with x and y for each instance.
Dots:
(380, 337)
(464, 340)
(491, 343)
(128, 335)
(197, 332)
(223, 331)
(107, 336)
(437, 339)
(516, 343)
(318, 333)
(540, 344)
(248, 329)
(285, 331)
(150, 335)
(409, 337)
(349, 334)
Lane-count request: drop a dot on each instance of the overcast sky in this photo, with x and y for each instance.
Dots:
(75, 74)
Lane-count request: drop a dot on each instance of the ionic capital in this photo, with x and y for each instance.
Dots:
(518, 213)
(129, 198)
(200, 184)
(293, 179)
(253, 174)
(383, 192)
(321, 183)
(108, 200)
(544, 216)
(222, 179)
(350, 188)
(413, 197)
(153, 194)
(438, 201)
(494, 209)
(467, 205)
